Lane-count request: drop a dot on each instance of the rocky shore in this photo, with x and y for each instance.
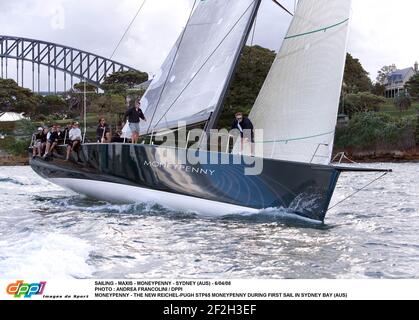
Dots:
(382, 155)
(11, 160)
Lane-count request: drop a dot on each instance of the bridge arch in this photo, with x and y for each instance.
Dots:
(73, 62)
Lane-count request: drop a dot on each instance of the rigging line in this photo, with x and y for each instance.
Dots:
(298, 139)
(363, 188)
(253, 38)
(318, 30)
(170, 69)
(205, 62)
(285, 9)
(127, 29)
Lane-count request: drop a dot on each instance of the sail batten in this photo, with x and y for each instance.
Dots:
(298, 104)
(193, 79)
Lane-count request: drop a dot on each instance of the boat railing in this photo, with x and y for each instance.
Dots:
(342, 156)
(317, 149)
(151, 138)
(65, 137)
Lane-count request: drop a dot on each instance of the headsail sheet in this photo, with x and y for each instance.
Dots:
(298, 104)
(193, 79)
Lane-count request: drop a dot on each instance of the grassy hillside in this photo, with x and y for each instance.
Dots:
(390, 109)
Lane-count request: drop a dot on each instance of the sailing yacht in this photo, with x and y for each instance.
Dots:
(296, 108)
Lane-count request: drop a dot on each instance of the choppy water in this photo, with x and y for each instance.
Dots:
(51, 233)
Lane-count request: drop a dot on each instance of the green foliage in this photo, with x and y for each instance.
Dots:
(76, 98)
(50, 105)
(130, 78)
(15, 146)
(17, 99)
(417, 127)
(248, 80)
(371, 130)
(362, 102)
(412, 86)
(108, 103)
(356, 78)
(80, 87)
(120, 82)
(116, 88)
(378, 89)
(384, 73)
(403, 101)
(25, 128)
(7, 127)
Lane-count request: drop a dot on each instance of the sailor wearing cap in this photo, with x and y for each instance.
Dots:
(40, 142)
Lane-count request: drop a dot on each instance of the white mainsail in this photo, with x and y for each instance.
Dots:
(192, 81)
(298, 104)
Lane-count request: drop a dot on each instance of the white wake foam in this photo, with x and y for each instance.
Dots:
(45, 256)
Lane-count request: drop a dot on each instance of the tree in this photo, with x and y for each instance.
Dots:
(76, 97)
(378, 89)
(384, 72)
(355, 77)
(118, 82)
(79, 87)
(17, 99)
(412, 86)
(403, 101)
(417, 127)
(250, 75)
(362, 102)
(49, 105)
(377, 131)
(108, 103)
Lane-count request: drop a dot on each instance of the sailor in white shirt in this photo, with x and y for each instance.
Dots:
(75, 138)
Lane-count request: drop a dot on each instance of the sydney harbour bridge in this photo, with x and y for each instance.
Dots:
(54, 63)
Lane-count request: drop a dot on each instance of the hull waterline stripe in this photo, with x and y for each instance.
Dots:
(130, 194)
(318, 30)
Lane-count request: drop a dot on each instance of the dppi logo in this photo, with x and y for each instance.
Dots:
(27, 290)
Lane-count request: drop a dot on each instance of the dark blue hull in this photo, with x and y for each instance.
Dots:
(304, 189)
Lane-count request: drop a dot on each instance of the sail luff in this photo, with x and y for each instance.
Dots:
(171, 65)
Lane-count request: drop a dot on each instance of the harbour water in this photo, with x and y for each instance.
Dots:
(47, 232)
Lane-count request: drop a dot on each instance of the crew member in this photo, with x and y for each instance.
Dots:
(134, 115)
(103, 133)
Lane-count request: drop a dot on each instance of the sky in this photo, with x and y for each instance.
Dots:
(382, 32)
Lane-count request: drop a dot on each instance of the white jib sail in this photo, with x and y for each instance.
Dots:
(298, 104)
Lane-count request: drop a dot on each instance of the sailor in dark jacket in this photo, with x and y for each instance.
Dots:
(103, 132)
(244, 125)
(134, 115)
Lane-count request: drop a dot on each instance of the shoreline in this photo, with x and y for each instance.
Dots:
(374, 156)
(10, 161)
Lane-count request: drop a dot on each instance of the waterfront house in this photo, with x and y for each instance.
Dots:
(398, 79)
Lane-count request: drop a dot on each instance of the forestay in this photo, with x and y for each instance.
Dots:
(192, 81)
(298, 104)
